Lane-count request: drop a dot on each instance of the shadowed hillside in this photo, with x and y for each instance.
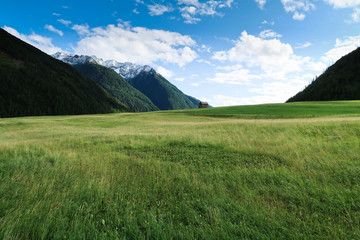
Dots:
(33, 83)
(117, 87)
(341, 81)
(161, 92)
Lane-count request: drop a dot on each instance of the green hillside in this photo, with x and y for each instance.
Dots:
(161, 92)
(33, 83)
(117, 87)
(280, 110)
(341, 81)
(171, 175)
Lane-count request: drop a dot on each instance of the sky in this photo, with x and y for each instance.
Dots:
(226, 52)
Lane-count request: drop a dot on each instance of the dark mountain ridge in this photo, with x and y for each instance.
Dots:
(34, 83)
(117, 86)
(341, 81)
(161, 92)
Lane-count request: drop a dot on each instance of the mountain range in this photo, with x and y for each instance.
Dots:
(34, 83)
(163, 94)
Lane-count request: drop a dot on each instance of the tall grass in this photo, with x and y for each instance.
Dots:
(175, 176)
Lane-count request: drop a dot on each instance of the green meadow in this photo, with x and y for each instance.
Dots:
(274, 171)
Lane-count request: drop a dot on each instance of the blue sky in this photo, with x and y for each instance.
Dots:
(227, 52)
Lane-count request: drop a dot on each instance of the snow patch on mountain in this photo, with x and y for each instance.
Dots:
(127, 70)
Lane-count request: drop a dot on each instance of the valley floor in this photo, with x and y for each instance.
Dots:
(182, 175)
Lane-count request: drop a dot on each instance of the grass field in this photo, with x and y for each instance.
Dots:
(249, 172)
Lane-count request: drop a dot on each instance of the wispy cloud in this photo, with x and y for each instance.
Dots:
(304, 45)
(191, 10)
(343, 3)
(356, 15)
(261, 3)
(82, 30)
(65, 22)
(298, 8)
(269, 34)
(158, 9)
(43, 43)
(53, 29)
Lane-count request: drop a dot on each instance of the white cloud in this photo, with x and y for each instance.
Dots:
(304, 45)
(179, 79)
(221, 100)
(191, 9)
(343, 3)
(56, 14)
(158, 9)
(189, 19)
(267, 92)
(82, 30)
(137, 44)
(269, 34)
(165, 72)
(272, 56)
(269, 64)
(341, 48)
(266, 22)
(136, 11)
(282, 90)
(235, 77)
(261, 3)
(298, 7)
(40, 42)
(356, 15)
(65, 22)
(299, 16)
(53, 29)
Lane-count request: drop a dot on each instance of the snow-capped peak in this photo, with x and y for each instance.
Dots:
(127, 70)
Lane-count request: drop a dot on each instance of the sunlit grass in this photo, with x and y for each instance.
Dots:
(170, 175)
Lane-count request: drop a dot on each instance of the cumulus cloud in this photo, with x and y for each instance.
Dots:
(356, 15)
(343, 3)
(43, 43)
(341, 48)
(238, 76)
(261, 3)
(265, 92)
(272, 56)
(299, 16)
(266, 67)
(191, 9)
(269, 34)
(82, 30)
(137, 44)
(165, 72)
(53, 29)
(298, 8)
(158, 9)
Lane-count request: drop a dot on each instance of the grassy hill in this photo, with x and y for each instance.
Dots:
(33, 83)
(161, 92)
(341, 81)
(172, 175)
(288, 110)
(117, 87)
